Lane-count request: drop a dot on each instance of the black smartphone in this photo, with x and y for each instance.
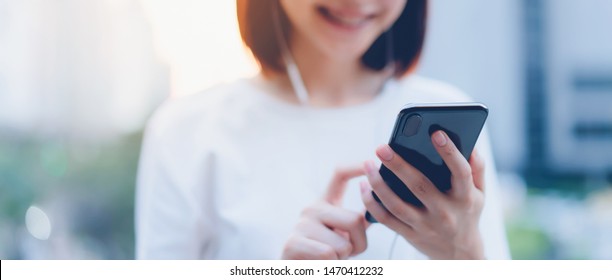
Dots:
(411, 139)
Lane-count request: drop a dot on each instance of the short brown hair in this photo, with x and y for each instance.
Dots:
(256, 22)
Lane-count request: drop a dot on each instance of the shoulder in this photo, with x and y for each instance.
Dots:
(422, 89)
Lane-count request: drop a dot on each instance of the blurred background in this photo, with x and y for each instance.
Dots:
(78, 80)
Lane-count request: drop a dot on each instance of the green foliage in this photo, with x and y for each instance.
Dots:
(528, 243)
(93, 182)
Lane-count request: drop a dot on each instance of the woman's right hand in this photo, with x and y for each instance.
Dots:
(326, 231)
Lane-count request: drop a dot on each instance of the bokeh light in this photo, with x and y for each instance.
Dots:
(37, 222)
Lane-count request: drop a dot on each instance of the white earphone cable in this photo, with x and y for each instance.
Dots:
(392, 248)
(292, 70)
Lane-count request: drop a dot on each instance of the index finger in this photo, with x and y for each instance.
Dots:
(413, 179)
(337, 186)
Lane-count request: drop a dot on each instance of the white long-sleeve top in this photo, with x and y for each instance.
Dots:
(224, 174)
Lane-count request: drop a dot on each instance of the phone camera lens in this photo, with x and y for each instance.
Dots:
(411, 127)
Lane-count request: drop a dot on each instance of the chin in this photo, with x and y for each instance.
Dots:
(344, 50)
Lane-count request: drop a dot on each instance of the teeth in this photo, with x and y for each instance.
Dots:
(344, 20)
(349, 21)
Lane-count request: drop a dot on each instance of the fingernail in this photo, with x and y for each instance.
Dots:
(384, 153)
(439, 138)
(369, 167)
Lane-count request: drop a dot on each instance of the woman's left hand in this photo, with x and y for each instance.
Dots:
(447, 227)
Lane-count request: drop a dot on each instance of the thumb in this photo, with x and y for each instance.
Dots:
(337, 186)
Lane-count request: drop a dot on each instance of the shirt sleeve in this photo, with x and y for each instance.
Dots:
(172, 219)
(492, 220)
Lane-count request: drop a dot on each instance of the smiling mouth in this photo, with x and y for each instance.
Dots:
(343, 20)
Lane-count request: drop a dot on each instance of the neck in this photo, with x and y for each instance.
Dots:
(332, 81)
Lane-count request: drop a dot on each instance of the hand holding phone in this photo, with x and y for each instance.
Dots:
(411, 139)
(440, 219)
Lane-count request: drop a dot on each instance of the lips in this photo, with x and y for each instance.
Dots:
(345, 18)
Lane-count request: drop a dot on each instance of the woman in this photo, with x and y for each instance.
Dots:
(258, 169)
